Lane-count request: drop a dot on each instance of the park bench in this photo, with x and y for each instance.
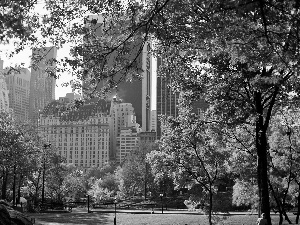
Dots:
(47, 207)
(101, 205)
(294, 211)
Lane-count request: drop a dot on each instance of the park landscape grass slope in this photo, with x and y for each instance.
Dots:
(168, 218)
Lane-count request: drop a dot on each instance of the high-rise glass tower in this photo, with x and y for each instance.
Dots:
(126, 91)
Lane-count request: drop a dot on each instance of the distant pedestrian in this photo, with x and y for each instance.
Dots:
(262, 220)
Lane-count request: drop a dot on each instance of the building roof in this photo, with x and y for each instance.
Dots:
(66, 112)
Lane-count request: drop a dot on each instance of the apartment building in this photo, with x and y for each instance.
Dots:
(127, 141)
(81, 136)
(122, 116)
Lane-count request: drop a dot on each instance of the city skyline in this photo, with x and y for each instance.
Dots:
(23, 59)
(42, 86)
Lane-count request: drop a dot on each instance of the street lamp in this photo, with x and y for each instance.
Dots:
(162, 206)
(44, 171)
(88, 203)
(115, 219)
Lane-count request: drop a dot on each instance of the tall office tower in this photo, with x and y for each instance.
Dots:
(81, 136)
(4, 99)
(130, 91)
(42, 86)
(18, 83)
(167, 101)
(122, 116)
(149, 70)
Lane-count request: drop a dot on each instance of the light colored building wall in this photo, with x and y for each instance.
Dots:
(18, 84)
(4, 100)
(122, 115)
(147, 136)
(153, 120)
(84, 142)
(1, 64)
(73, 96)
(127, 141)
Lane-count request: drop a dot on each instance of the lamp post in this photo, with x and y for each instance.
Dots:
(44, 171)
(162, 206)
(88, 203)
(115, 219)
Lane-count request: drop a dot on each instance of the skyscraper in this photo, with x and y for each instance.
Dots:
(148, 74)
(127, 91)
(42, 85)
(167, 100)
(18, 84)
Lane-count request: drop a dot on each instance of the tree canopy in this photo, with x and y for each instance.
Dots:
(241, 56)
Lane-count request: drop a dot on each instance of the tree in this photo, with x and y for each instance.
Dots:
(105, 188)
(134, 174)
(239, 63)
(192, 153)
(7, 133)
(15, 154)
(284, 152)
(18, 157)
(245, 194)
(15, 20)
(240, 142)
(73, 184)
(95, 173)
(55, 176)
(247, 54)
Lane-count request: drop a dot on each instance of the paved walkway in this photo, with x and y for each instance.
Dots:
(155, 211)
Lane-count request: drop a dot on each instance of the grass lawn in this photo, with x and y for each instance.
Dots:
(95, 218)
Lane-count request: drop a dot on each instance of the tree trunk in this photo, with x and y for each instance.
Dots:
(262, 161)
(4, 183)
(298, 212)
(280, 218)
(19, 188)
(145, 183)
(280, 206)
(210, 207)
(36, 195)
(14, 187)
